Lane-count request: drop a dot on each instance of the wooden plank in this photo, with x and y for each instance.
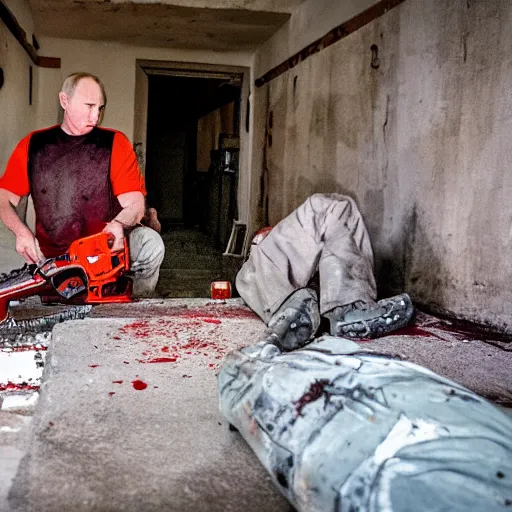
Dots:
(49, 62)
(14, 27)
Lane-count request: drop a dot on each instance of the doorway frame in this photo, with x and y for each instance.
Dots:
(145, 67)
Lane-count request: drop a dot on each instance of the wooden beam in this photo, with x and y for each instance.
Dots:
(333, 36)
(49, 62)
(21, 36)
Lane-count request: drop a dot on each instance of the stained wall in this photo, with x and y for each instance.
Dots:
(17, 115)
(421, 140)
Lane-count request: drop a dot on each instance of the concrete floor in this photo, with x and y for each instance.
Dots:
(99, 442)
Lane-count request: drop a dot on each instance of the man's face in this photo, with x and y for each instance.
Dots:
(82, 110)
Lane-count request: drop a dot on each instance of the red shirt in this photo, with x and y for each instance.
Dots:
(74, 182)
(125, 174)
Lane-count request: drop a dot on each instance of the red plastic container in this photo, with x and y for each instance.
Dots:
(221, 290)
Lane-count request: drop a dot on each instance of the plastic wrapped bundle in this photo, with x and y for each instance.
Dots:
(339, 428)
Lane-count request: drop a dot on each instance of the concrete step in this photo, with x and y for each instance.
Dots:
(186, 282)
(190, 242)
(179, 260)
(190, 248)
(198, 293)
(113, 433)
(192, 274)
(190, 264)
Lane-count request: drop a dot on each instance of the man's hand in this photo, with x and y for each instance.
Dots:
(116, 229)
(26, 246)
(133, 210)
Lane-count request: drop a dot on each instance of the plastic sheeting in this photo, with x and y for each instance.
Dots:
(339, 428)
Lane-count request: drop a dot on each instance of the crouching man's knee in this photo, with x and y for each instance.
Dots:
(147, 252)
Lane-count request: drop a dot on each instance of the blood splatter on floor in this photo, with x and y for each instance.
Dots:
(427, 326)
(139, 385)
(192, 334)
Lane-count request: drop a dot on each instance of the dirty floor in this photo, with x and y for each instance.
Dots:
(128, 418)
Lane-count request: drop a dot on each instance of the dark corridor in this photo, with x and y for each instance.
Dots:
(186, 118)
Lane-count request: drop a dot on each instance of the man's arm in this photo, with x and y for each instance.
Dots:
(26, 244)
(133, 205)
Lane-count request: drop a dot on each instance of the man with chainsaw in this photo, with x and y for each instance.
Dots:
(324, 237)
(83, 179)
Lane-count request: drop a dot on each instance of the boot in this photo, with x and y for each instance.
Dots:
(296, 321)
(370, 320)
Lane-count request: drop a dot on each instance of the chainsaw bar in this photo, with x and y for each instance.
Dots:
(17, 276)
(35, 330)
(88, 273)
(19, 332)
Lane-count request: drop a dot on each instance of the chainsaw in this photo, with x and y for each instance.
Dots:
(88, 273)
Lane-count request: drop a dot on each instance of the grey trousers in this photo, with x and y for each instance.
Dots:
(325, 234)
(146, 254)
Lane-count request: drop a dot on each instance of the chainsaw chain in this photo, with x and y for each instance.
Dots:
(36, 330)
(17, 276)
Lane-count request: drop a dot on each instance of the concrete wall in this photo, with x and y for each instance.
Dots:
(17, 116)
(310, 21)
(422, 143)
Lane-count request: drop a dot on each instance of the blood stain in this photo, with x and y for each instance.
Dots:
(139, 385)
(126, 362)
(315, 392)
(161, 360)
(111, 393)
(165, 349)
(412, 330)
(116, 337)
(93, 365)
(117, 382)
(211, 321)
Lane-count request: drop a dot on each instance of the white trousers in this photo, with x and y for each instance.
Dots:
(146, 254)
(325, 234)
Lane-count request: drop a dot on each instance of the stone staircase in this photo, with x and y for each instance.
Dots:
(191, 263)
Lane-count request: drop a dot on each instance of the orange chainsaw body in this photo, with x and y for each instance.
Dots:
(105, 269)
(89, 273)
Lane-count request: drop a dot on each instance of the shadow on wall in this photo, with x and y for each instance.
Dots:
(407, 262)
(410, 263)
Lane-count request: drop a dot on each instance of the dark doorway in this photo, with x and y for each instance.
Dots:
(184, 123)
